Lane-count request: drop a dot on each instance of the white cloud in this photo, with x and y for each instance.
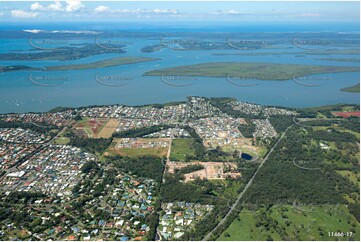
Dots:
(1, 14)
(101, 8)
(233, 12)
(165, 11)
(37, 6)
(23, 14)
(56, 6)
(73, 5)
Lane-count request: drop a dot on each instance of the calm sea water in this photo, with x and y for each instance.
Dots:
(81, 88)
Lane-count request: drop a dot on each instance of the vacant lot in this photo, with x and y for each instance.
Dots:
(134, 150)
(211, 171)
(108, 129)
(181, 148)
(91, 126)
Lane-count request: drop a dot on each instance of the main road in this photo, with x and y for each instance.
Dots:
(234, 205)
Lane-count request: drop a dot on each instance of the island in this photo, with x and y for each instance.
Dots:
(341, 59)
(256, 70)
(152, 48)
(93, 65)
(354, 88)
(62, 53)
(101, 64)
(17, 68)
(306, 52)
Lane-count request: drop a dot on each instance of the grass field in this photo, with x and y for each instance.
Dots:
(101, 64)
(285, 222)
(261, 71)
(62, 141)
(180, 148)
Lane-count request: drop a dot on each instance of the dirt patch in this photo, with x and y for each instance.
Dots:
(346, 114)
(211, 171)
(108, 129)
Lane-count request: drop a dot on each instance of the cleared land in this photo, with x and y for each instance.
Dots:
(90, 126)
(261, 71)
(286, 222)
(108, 129)
(181, 148)
(211, 171)
(243, 144)
(346, 114)
(101, 64)
(135, 151)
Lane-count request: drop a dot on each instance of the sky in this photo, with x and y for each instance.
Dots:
(74, 10)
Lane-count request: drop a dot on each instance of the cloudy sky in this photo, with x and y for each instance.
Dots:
(75, 10)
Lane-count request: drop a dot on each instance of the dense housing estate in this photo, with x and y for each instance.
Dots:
(75, 172)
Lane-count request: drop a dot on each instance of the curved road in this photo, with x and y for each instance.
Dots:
(207, 237)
